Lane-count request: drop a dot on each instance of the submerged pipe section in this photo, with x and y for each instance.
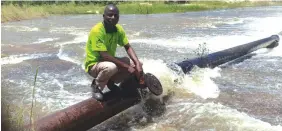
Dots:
(214, 59)
(88, 113)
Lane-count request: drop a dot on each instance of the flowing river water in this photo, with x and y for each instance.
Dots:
(238, 96)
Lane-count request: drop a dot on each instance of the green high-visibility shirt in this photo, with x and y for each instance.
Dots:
(99, 40)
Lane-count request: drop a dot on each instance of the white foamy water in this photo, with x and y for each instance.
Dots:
(258, 28)
(60, 89)
(199, 82)
(201, 25)
(169, 43)
(265, 26)
(66, 57)
(42, 40)
(57, 94)
(275, 52)
(80, 36)
(14, 59)
(20, 28)
(161, 71)
(70, 29)
(61, 98)
(235, 21)
(213, 43)
(221, 42)
(207, 116)
(217, 22)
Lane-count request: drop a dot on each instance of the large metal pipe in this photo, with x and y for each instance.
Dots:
(214, 59)
(88, 113)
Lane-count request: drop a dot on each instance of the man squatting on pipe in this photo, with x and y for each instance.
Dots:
(100, 61)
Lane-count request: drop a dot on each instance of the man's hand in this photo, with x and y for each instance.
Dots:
(139, 68)
(139, 73)
(131, 69)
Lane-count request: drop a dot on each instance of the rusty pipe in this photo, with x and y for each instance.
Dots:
(88, 113)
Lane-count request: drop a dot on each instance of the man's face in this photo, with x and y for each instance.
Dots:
(111, 16)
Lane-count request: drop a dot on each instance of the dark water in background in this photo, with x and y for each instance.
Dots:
(243, 96)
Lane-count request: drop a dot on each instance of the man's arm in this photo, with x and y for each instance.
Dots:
(131, 53)
(138, 65)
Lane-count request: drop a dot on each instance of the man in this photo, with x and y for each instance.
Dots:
(100, 61)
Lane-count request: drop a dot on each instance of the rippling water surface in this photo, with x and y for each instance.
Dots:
(243, 96)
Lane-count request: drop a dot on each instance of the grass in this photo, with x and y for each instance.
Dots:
(14, 12)
(12, 121)
(33, 101)
(13, 116)
(4, 55)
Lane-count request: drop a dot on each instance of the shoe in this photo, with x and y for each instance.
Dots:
(96, 92)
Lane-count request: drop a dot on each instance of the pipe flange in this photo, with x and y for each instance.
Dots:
(153, 84)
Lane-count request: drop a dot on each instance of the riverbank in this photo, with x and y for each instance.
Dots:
(16, 12)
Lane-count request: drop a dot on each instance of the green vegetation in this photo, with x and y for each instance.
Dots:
(19, 10)
(14, 117)
(202, 50)
(4, 55)
(33, 101)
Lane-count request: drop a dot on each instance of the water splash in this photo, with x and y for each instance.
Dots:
(162, 72)
(208, 116)
(199, 82)
(65, 56)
